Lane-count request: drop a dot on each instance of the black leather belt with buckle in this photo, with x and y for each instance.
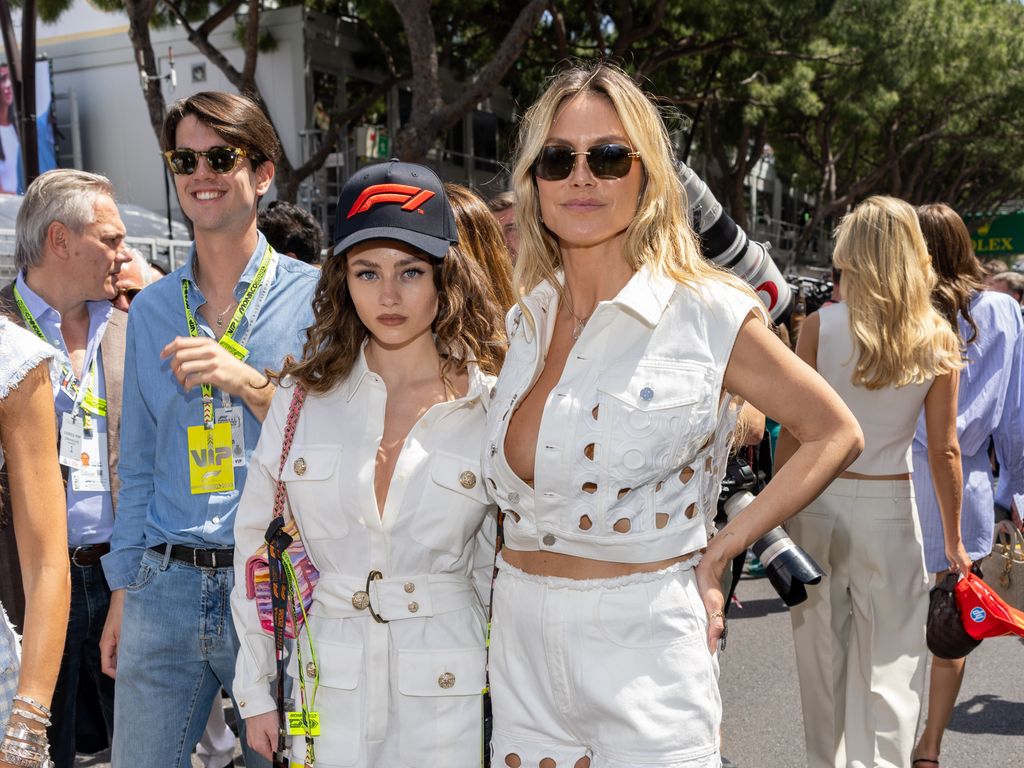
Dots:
(200, 558)
(88, 554)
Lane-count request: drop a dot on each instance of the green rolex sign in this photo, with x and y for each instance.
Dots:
(1003, 236)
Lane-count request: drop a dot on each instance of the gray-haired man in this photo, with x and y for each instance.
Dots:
(68, 253)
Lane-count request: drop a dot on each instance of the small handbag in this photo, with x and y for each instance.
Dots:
(286, 538)
(945, 631)
(1006, 566)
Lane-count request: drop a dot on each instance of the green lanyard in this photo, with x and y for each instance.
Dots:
(91, 403)
(228, 339)
(310, 718)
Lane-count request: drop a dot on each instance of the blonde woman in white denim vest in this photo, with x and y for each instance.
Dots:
(607, 439)
(383, 480)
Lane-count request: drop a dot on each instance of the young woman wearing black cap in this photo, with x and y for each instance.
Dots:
(383, 481)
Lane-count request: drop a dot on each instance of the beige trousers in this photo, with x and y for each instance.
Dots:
(860, 636)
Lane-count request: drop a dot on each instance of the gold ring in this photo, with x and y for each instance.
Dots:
(716, 615)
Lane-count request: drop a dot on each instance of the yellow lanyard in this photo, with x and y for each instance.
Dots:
(91, 403)
(228, 339)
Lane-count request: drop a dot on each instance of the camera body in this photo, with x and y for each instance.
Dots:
(788, 567)
(817, 291)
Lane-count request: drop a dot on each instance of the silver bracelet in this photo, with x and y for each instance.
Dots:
(23, 762)
(30, 727)
(33, 703)
(22, 756)
(28, 714)
(9, 745)
(23, 734)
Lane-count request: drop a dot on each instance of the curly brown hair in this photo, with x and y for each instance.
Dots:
(469, 324)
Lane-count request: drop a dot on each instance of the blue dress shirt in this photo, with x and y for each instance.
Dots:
(90, 513)
(155, 505)
(990, 403)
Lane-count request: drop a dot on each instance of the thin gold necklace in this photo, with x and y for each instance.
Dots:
(578, 322)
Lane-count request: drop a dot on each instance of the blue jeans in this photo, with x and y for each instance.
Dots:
(90, 600)
(177, 650)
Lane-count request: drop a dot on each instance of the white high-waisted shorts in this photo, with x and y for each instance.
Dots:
(617, 670)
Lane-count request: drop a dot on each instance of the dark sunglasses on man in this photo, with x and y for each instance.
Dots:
(129, 293)
(184, 162)
(606, 161)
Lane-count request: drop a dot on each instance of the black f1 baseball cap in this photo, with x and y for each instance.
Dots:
(395, 201)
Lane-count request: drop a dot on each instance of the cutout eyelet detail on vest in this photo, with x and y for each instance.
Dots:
(623, 492)
(622, 525)
(589, 488)
(686, 474)
(661, 520)
(691, 511)
(586, 523)
(588, 451)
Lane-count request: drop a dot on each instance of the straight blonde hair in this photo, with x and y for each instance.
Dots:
(887, 284)
(660, 236)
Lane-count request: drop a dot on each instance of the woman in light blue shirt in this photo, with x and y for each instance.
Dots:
(988, 405)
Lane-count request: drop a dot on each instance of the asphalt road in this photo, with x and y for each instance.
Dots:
(762, 725)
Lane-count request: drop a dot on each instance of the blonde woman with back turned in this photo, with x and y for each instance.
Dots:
(606, 444)
(860, 636)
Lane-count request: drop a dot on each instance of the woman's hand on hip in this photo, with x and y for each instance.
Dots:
(709, 573)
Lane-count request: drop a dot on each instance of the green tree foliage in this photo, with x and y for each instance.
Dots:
(848, 98)
(920, 106)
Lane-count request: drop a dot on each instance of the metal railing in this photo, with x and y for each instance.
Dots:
(167, 254)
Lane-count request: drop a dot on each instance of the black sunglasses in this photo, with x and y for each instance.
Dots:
(221, 159)
(606, 161)
(130, 293)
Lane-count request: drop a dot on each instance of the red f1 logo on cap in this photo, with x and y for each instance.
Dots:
(410, 197)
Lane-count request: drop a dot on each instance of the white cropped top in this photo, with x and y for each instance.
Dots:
(888, 417)
(636, 429)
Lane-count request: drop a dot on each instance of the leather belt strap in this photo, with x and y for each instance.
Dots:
(200, 558)
(87, 554)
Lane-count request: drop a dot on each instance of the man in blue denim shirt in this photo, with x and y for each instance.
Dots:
(194, 400)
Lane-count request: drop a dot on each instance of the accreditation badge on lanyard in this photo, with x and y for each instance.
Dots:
(81, 443)
(217, 446)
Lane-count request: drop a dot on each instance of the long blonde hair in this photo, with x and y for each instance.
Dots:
(887, 284)
(660, 235)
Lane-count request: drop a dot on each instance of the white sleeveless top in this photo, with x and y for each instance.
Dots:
(887, 416)
(634, 438)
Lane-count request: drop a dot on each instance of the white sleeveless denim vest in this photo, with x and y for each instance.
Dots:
(634, 438)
